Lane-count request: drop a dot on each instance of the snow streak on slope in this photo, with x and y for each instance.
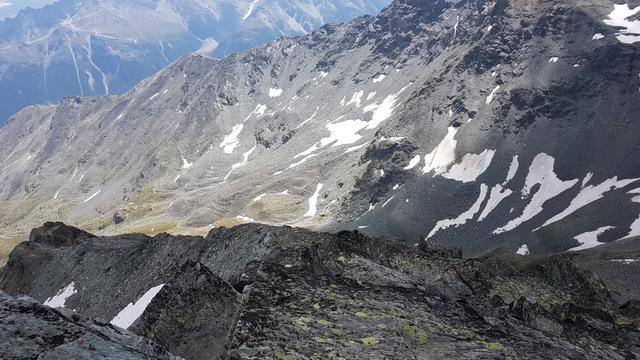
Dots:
(59, 300)
(133, 311)
(313, 202)
(464, 217)
(540, 173)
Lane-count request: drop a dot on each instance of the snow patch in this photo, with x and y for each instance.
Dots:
(498, 193)
(273, 92)
(60, 298)
(92, 196)
(513, 169)
(589, 194)
(443, 155)
(244, 162)
(258, 111)
(464, 217)
(309, 119)
(252, 6)
(379, 78)
(340, 133)
(589, 239)
(492, 95)
(313, 202)
(619, 18)
(413, 163)
(231, 141)
(384, 110)
(597, 36)
(523, 250)
(356, 99)
(540, 173)
(470, 167)
(554, 59)
(133, 311)
(207, 46)
(186, 164)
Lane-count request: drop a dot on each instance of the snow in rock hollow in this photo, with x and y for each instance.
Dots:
(589, 239)
(313, 202)
(540, 173)
(619, 17)
(59, 299)
(464, 217)
(133, 311)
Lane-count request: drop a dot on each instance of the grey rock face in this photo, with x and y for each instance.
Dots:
(306, 295)
(73, 48)
(478, 124)
(193, 315)
(29, 330)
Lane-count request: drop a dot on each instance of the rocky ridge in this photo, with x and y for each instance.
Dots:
(255, 292)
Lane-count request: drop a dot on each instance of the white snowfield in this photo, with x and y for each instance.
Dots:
(133, 311)
(619, 17)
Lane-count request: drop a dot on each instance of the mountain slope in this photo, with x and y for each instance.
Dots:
(279, 293)
(95, 47)
(481, 124)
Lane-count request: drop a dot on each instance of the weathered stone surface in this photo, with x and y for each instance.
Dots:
(256, 292)
(29, 330)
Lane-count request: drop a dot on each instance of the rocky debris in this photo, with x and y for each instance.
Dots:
(255, 292)
(29, 330)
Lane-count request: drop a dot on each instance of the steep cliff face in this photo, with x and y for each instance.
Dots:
(91, 47)
(256, 292)
(480, 124)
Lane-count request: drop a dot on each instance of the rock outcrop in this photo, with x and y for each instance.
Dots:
(256, 292)
(30, 330)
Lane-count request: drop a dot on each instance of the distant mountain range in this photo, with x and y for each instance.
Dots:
(93, 47)
(479, 124)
